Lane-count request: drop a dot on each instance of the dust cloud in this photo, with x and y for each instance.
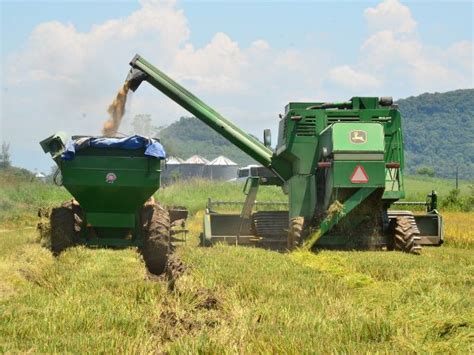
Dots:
(116, 111)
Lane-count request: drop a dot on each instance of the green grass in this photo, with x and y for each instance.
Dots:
(20, 198)
(235, 299)
(332, 302)
(85, 300)
(417, 187)
(230, 299)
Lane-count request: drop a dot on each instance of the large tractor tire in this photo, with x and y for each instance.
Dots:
(65, 224)
(62, 229)
(404, 237)
(295, 232)
(156, 238)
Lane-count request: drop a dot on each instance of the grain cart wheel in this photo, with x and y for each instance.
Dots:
(404, 237)
(156, 238)
(295, 232)
(62, 229)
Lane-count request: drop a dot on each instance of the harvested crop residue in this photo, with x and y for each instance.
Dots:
(116, 111)
(331, 264)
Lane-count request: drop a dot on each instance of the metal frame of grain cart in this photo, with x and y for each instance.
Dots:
(341, 165)
(112, 181)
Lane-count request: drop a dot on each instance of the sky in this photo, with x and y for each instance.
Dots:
(63, 61)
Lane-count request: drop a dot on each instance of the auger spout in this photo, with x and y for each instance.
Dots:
(143, 70)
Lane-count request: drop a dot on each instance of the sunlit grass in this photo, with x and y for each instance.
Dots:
(459, 229)
(230, 299)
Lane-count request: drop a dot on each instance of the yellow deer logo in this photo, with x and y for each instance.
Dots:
(358, 137)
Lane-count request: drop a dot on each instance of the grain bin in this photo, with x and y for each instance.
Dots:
(221, 168)
(172, 170)
(193, 167)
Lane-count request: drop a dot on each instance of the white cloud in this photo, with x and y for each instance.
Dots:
(395, 57)
(390, 15)
(260, 44)
(217, 66)
(349, 78)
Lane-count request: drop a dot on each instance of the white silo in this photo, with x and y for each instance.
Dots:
(221, 168)
(193, 167)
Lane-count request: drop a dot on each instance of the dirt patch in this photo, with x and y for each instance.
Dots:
(174, 269)
(187, 310)
(116, 111)
(207, 300)
(189, 314)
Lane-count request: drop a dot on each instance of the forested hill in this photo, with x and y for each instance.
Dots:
(438, 131)
(189, 136)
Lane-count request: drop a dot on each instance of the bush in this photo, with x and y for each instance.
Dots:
(428, 171)
(455, 202)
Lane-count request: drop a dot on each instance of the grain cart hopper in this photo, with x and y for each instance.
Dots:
(341, 165)
(111, 180)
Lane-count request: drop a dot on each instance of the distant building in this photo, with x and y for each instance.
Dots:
(171, 169)
(221, 168)
(193, 167)
(40, 177)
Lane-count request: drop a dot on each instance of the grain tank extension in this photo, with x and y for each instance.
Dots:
(341, 165)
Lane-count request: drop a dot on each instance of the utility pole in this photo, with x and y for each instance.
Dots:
(457, 177)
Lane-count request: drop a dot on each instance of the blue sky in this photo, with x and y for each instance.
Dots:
(63, 61)
(441, 22)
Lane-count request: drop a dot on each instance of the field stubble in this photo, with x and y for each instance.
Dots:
(235, 299)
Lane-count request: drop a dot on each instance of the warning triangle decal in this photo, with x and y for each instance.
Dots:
(359, 176)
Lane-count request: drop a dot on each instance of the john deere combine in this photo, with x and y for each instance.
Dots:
(341, 165)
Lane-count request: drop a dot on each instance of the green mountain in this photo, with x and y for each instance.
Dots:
(438, 133)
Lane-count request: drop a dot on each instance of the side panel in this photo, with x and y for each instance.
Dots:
(107, 187)
(302, 196)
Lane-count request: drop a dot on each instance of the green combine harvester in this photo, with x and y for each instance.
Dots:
(341, 165)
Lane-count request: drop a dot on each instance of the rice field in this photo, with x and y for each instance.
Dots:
(459, 229)
(229, 299)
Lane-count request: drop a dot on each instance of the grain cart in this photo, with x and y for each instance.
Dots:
(341, 165)
(111, 180)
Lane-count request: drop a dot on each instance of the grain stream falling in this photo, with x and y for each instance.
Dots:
(116, 111)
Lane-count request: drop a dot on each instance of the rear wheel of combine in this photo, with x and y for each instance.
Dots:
(156, 238)
(404, 236)
(295, 232)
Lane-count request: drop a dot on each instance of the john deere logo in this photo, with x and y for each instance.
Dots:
(110, 178)
(358, 136)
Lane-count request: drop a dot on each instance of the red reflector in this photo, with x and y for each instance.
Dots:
(359, 176)
(324, 164)
(393, 165)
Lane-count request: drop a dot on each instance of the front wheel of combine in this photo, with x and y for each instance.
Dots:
(404, 236)
(156, 238)
(295, 232)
